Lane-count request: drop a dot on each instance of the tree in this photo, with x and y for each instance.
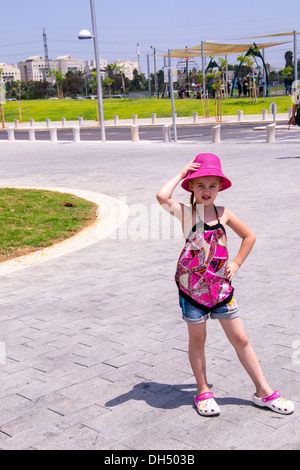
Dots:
(120, 82)
(39, 89)
(120, 70)
(214, 83)
(139, 82)
(59, 78)
(288, 59)
(199, 78)
(245, 60)
(110, 70)
(107, 83)
(287, 71)
(73, 83)
(250, 63)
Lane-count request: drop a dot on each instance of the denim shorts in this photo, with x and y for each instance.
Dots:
(192, 314)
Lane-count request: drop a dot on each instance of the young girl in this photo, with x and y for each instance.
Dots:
(204, 275)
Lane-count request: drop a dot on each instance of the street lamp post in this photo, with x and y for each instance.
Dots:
(149, 78)
(172, 94)
(155, 77)
(295, 61)
(84, 34)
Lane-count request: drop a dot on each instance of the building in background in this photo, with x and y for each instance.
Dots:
(67, 63)
(34, 68)
(10, 73)
(127, 67)
(90, 66)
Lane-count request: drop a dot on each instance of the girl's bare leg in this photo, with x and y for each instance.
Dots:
(236, 334)
(197, 338)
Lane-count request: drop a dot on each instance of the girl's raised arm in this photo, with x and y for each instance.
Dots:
(164, 195)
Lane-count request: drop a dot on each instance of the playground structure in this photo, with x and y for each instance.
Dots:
(255, 53)
(207, 48)
(211, 49)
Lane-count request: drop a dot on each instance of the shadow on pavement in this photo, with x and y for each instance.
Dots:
(160, 395)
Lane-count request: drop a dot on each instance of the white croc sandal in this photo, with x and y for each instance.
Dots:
(206, 404)
(275, 403)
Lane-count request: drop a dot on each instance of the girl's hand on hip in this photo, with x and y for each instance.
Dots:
(231, 270)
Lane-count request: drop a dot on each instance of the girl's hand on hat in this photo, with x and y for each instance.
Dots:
(192, 166)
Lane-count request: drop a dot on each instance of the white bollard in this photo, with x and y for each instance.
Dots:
(80, 120)
(134, 119)
(264, 114)
(76, 134)
(31, 121)
(153, 117)
(240, 115)
(116, 120)
(53, 134)
(195, 118)
(166, 133)
(11, 134)
(216, 134)
(271, 133)
(31, 132)
(16, 124)
(135, 133)
(63, 122)
(48, 122)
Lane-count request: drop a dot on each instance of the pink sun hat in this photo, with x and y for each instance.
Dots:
(210, 166)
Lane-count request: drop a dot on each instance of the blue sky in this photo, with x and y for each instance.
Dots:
(122, 24)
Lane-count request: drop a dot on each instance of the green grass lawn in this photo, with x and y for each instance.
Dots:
(33, 219)
(39, 110)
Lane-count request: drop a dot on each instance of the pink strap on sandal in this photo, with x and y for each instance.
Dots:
(276, 403)
(204, 396)
(206, 404)
(274, 395)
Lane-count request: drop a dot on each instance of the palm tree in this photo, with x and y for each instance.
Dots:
(288, 59)
(59, 81)
(110, 70)
(107, 82)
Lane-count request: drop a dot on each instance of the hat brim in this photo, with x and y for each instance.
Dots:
(226, 183)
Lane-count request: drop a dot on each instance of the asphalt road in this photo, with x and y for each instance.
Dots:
(229, 132)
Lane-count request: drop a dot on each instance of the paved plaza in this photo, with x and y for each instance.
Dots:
(95, 347)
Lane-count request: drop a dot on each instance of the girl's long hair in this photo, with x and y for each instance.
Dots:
(193, 204)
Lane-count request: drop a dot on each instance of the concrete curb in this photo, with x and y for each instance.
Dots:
(111, 214)
(182, 121)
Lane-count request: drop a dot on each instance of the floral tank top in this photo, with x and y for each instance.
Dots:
(201, 268)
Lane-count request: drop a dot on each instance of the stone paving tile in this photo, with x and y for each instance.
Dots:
(94, 339)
